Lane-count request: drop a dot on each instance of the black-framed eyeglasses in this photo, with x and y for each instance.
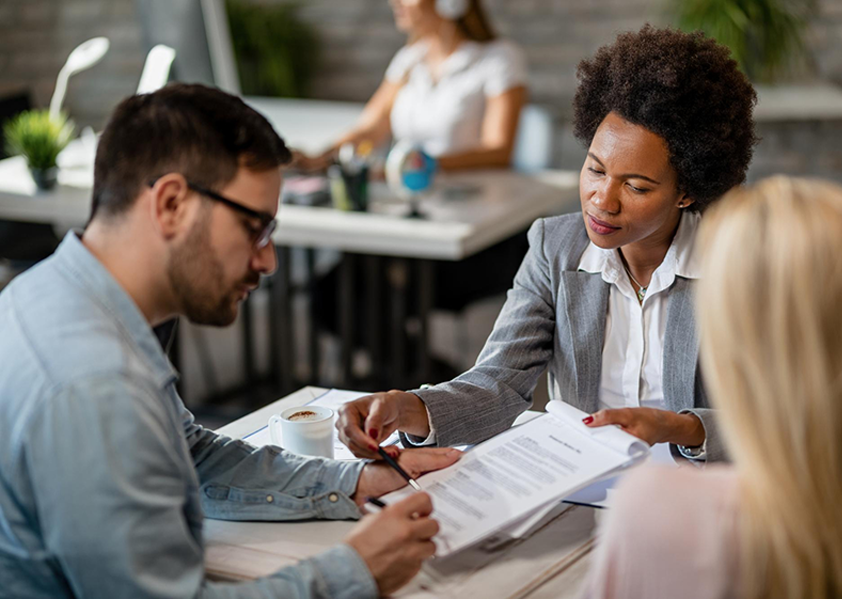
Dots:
(268, 223)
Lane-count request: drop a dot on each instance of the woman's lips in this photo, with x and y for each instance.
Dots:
(601, 227)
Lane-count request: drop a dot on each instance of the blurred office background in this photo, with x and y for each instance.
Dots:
(355, 40)
(339, 50)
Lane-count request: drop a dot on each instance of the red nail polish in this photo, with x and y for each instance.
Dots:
(372, 447)
(372, 433)
(587, 420)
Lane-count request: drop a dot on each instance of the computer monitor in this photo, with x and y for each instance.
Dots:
(198, 31)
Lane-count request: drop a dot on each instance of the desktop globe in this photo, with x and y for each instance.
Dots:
(410, 173)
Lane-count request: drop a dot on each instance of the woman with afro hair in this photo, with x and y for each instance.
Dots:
(603, 299)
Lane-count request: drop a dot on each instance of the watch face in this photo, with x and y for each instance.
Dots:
(692, 452)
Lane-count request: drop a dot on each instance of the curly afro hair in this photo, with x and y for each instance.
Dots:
(683, 87)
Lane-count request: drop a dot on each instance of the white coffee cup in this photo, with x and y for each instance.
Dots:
(304, 430)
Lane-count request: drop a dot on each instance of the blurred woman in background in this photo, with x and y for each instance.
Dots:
(770, 525)
(455, 89)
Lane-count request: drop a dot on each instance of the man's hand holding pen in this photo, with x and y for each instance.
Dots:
(396, 541)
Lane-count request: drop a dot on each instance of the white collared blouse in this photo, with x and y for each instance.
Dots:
(632, 354)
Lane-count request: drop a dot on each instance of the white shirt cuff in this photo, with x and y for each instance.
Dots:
(430, 440)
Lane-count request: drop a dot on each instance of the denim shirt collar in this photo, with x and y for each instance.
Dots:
(78, 262)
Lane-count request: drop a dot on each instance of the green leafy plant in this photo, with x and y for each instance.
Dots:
(276, 51)
(766, 37)
(37, 137)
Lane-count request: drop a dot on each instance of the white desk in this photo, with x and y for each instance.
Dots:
(550, 564)
(499, 205)
(503, 203)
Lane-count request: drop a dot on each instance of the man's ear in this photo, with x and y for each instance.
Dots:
(169, 208)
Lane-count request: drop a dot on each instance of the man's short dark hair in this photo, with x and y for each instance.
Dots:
(198, 131)
(684, 87)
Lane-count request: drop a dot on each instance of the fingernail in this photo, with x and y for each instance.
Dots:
(453, 453)
(587, 420)
(372, 447)
(372, 433)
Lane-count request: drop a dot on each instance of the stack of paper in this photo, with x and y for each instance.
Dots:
(512, 484)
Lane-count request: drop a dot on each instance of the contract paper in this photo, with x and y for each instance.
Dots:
(503, 481)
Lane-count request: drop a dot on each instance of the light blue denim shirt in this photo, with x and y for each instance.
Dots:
(105, 476)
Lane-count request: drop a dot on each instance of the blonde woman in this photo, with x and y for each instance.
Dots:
(770, 313)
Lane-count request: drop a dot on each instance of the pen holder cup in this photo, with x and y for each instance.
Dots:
(349, 188)
(306, 430)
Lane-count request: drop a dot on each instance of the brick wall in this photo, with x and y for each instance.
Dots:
(358, 39)
(37, 35)
(556, 35)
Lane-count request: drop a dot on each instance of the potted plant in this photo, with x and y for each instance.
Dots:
(39, 139)
(276, 51)
(766, 37)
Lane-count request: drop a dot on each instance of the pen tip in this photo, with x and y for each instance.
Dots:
(415, 485)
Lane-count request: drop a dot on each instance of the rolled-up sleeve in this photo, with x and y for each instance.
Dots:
(117, 502)
(240, 482)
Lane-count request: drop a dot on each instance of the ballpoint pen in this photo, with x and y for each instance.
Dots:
(394, 464)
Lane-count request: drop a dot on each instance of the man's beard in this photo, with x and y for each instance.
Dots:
(197, 277)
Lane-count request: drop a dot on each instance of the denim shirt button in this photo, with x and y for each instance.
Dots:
(270, 499)
(333, 498)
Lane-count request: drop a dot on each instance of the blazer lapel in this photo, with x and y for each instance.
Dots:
(586, 305)
(681, 347)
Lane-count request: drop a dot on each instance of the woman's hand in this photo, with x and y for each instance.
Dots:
(366, 422)
(652, 425)
(311, 164)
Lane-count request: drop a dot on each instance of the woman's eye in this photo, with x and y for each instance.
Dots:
(637, 190)
(596, 171)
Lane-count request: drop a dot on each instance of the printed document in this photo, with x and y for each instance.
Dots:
(503, 481)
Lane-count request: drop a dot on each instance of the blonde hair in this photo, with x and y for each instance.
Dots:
(770, 313)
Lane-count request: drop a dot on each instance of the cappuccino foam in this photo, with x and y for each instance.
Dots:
(303, 415)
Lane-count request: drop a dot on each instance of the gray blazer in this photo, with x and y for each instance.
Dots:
(554, 317)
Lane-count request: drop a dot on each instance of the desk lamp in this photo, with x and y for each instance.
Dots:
(84, 56)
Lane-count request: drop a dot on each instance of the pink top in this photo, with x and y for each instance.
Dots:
(671, 533)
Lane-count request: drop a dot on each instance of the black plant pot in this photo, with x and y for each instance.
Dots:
(45, 179)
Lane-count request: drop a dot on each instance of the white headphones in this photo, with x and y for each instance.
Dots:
(452, 10)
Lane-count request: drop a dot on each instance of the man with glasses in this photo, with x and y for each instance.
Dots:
(104, 475)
